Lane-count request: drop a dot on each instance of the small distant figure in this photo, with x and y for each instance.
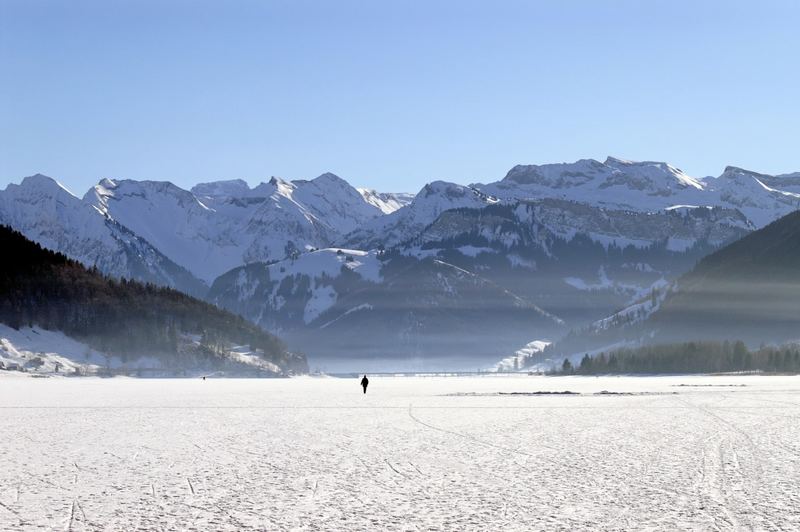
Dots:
(365, 383)
(204, 377)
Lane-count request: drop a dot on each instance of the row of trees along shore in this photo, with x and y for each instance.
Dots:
(688, 357)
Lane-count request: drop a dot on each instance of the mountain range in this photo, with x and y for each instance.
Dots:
(453, 276)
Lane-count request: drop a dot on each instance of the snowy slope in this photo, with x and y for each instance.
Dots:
(293, 292)
(615, 183)
(649, 186)
(748, 192)
(46, 212)
(333, 201)
(387, 202)
(680, 228)
(408, 221)
(578, 262)
(37, 351)
(221, 225)
(785, 182)
(159, 232)
(172, 219)
(516, 362)
(603, 200)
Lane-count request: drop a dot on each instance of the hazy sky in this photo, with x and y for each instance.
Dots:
(392, 94)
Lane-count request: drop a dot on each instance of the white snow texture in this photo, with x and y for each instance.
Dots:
(422, 453)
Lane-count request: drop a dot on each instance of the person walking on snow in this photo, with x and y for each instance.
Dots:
(365, 383)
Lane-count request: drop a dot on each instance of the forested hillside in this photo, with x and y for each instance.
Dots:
(748, 290)
(121, 317)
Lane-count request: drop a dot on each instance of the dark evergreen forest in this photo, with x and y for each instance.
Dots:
(689, 357)
(117, 316)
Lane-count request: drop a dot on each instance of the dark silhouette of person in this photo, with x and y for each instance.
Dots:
(365, 383)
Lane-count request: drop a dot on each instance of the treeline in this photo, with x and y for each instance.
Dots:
(688, 357)
(119, 317)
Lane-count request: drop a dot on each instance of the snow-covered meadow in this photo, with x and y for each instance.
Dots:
(452, 453)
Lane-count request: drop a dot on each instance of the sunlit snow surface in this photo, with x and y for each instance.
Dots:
(452, 453)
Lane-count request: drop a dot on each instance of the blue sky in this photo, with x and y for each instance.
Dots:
(392, 95)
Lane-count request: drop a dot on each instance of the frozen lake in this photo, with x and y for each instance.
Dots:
(421, 453)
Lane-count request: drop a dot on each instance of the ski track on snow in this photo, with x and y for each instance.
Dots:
(412, 454)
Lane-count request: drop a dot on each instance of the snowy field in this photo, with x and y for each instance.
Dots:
(421, 453)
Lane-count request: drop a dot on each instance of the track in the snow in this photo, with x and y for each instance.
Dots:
(463, 453)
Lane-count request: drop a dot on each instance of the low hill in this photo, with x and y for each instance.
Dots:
(127, 319)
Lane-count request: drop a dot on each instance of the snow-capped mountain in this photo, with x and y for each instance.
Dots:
(294, 292)
(649, 186)
(332, 200)
(406, 222)
(387, 202)
(579, 241)
(46, 212)
(614, 183)
(749, 193)
(156, 231)
(221, 225)
(576, 261)
(599, 199)
(173, 220)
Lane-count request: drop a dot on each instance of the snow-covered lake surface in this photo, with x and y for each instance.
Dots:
(452, 453)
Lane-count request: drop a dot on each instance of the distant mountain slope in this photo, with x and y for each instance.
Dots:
(125, 318)
(581, 216)
(649, 186)
(748, 290)
(162, 233)
(219, 226)
(408, 312)
(621, 184)
(578, 262)
(406, 222)
(46, 212)
(157, 232)
(387, 202)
